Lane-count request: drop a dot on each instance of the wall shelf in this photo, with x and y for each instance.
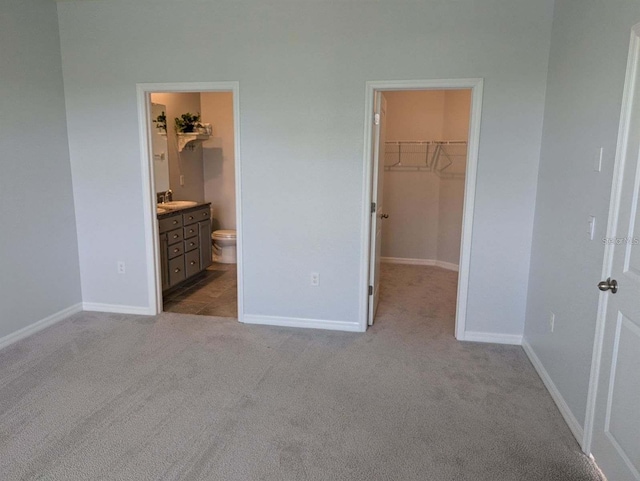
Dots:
(186, 138)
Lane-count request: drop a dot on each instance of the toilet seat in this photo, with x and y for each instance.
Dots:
(224, 234)
(224, 246)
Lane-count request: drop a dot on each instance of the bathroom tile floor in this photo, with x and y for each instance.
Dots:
(212, 294)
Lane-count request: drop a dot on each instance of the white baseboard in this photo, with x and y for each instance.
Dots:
(118, 309)
(39, 325)
(301, 322)
(575, 427)
(420, 262)
(492, 337)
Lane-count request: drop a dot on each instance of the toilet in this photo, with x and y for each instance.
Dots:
(224, 246)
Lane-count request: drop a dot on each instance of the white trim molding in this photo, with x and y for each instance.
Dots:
(144, 90)
(492, 337)
(118, 309)
(39, 325)
(563, 407)
(476, 86)
(302, 322)
(420, 262)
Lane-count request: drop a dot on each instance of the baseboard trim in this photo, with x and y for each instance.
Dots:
(301, 322)
(39, 325)
(420, 262)
(117, 309)
(492, 337)
(563, 407)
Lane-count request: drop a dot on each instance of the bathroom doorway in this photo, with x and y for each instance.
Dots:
(422, 157)
(192, 157)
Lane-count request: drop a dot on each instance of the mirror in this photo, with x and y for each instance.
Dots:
(159, 149)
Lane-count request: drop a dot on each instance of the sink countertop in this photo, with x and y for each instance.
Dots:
(180, 210)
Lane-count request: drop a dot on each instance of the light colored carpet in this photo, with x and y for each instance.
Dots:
(183, 397)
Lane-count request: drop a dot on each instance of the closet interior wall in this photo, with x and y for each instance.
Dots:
(424, 205)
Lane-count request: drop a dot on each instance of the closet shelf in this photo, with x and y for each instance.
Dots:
(425, 156)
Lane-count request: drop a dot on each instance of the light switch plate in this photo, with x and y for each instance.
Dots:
(592, 226)
(598, 163)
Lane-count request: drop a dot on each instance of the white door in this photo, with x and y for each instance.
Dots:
(616, 428)
(376, 196)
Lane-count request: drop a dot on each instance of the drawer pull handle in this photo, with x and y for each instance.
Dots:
(191, 244)
(204, 214)
(190, 231)
(175, 236)
(177, 269)
(193, 263)
(190, 217)
(175, 222)
(176, 250)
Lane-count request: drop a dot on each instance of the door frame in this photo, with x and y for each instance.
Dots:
(633, 63)
(152, 244)
(476, 86)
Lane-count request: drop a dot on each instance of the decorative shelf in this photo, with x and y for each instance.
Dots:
(186, 138)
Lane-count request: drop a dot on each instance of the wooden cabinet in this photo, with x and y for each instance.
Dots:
(185, 244)
(204, 233)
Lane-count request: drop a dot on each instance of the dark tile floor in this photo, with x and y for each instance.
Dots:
(212, 294)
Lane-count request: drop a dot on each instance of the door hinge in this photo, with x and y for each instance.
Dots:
(376, 119)
(373, 207)
(370, 290)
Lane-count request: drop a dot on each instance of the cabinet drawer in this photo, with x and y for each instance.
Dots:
(176, 270)
(195, 216)
(190, 231)
(190, 244)
(174, 236)
(175, 250)
(169, 223)
(192, 262)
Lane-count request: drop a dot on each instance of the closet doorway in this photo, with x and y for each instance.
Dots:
(422, 157)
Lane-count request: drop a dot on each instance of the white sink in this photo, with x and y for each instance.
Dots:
(177, 204)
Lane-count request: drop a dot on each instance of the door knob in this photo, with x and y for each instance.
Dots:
(384, 216)
(609, 284)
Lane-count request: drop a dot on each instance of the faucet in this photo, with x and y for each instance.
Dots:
(166, 196)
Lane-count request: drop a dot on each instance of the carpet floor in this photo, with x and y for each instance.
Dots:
(186, 397)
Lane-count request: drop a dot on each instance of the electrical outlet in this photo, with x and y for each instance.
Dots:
(121, 267)
(315, 279)
(182, 180)
(552, 321)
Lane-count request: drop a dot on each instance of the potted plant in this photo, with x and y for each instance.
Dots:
(187, 123)
(161, 122)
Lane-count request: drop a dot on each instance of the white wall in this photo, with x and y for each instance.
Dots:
(302, 68)
(159, 149)
(450, 207)
(39, 271)
(415, 115)
(425, 209)
(587, 67)
(411, 199)
(457, 105)
(188, 162)
(219, 158)
(455, 126)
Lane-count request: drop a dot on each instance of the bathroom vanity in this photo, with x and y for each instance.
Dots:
(185, 243)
